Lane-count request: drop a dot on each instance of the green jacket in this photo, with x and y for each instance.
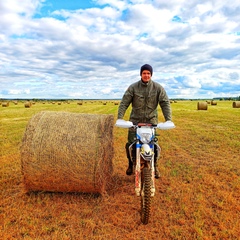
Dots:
(145, 98)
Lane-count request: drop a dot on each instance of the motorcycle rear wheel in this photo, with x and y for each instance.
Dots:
(146, 195)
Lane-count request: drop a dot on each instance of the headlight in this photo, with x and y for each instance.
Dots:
(145, 137)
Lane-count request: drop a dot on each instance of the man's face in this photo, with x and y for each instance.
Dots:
(146, 76)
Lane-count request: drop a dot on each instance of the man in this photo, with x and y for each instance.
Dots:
(144, 95)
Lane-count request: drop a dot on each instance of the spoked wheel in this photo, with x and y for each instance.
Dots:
(146, 195)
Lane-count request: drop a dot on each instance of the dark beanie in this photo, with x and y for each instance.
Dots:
(146, 67)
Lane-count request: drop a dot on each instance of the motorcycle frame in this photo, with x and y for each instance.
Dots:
(141, 162)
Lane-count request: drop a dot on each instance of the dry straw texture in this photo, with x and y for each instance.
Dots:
(68, 152)
(236, 104)
(202, 106)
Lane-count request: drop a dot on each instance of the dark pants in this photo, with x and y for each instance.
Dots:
(131, 135)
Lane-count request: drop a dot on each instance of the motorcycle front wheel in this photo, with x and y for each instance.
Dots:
(146, 195)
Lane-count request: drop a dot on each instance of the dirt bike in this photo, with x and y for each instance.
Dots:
(145, 146)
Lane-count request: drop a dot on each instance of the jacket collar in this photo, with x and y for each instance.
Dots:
(146, 84)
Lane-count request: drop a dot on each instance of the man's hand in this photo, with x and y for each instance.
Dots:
(123, 124)
(166, 125)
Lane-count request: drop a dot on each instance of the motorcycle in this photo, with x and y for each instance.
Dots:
(146, 147)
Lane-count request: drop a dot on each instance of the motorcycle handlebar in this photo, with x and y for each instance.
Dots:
(127, 124)
(145, 124)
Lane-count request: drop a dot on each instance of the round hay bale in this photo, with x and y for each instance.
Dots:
(214, 103)
(202, 106)
(5, 104)
(236, 104)
(27, 104)
(68, 152)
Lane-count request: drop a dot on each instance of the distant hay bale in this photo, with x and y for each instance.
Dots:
(80, 103)
(27, 104)
(202, 106)
(104, 103)
(208, 102)
(59, 103)
(68, 152)
(213, 103)
(5, 104)
(236, 104)
(116, 103)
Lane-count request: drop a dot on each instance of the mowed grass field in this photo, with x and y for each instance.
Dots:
(197, 196)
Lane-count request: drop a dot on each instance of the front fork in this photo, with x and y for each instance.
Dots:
(139, 165)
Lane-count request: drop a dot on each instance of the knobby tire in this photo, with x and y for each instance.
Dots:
(146, 195)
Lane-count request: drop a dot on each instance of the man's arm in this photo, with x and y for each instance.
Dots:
(165, 105)
(125, 102)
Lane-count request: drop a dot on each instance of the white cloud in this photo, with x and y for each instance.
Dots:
(17, 91)
(119, 4)
(192, 82)
(193, 47)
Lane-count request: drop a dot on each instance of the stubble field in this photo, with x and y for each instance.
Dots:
(197, 195)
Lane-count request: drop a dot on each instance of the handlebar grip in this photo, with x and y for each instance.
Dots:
(146, 124)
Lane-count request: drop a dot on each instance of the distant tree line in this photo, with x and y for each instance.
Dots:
(58, 99)
(228, 98)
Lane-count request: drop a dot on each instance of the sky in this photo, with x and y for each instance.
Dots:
(93, 49)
